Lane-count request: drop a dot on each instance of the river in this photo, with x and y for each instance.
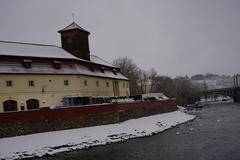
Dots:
(213, 135)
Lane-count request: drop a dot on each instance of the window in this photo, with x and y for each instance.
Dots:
(91, 67)
(32, 104)
(27, 63)
(31, 83)
(102, 69)
(69, 40)
(85, 82)
(123, 85)
(22, 108)
(127, 85)
(66, 83)
(97, 83)
(114, 71)
(57, 64)
(10, 105)
(107, 84)
(9, 83)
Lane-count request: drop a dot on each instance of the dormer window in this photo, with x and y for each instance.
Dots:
(102, 69)
(27, 63)
(57, 64)
(114, 71)
(91, 67)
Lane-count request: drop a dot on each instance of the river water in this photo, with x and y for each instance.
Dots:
(213, 135)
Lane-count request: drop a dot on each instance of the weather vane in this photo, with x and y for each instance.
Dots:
(73, 16)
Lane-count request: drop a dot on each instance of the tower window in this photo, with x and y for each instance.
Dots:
(107, 84)
(123, 85)
(9, 83)
(31, 83)
(66, 82)
(69, 40)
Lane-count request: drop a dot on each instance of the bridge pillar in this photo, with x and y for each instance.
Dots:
(236, 95)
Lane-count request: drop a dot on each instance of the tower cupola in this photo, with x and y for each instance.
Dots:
(75, 40)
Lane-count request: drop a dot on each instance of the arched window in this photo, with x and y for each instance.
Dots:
(32, 104)
(10, 105)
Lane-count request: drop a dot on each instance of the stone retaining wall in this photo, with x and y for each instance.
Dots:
(43, 120)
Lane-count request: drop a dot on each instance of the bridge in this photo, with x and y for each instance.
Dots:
(233, 92)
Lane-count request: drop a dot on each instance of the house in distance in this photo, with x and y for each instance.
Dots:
(37, 75)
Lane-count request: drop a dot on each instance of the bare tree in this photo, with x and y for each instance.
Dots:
(186, 91)
(152, 77)
(143, 82)
(130, 70)
(180, 87)
(165, 85)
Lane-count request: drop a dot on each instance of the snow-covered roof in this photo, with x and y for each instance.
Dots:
(75, 69)
(43, 51)
(53, 52)
(33, 50)
(98, 60)
(73, 26)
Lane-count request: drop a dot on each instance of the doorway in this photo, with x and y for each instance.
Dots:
(10, 105)
(116, 88)
(32, 104)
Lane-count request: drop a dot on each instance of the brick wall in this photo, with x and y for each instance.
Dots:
(43, 120)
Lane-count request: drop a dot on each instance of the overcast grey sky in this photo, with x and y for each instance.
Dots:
(175, 37)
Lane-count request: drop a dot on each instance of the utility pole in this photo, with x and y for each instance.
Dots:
(235, 80)
(234, 83)
(236, 96)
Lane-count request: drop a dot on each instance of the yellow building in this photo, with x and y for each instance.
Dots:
(37, 75)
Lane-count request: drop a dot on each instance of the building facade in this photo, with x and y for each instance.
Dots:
(36, 75)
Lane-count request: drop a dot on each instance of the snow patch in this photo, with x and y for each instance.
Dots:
(50, 143)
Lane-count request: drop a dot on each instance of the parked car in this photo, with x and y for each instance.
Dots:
(223, 100)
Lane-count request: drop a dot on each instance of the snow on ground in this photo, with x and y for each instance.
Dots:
(68, 140)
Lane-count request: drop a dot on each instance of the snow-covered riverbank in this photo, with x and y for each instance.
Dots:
(67, 140)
